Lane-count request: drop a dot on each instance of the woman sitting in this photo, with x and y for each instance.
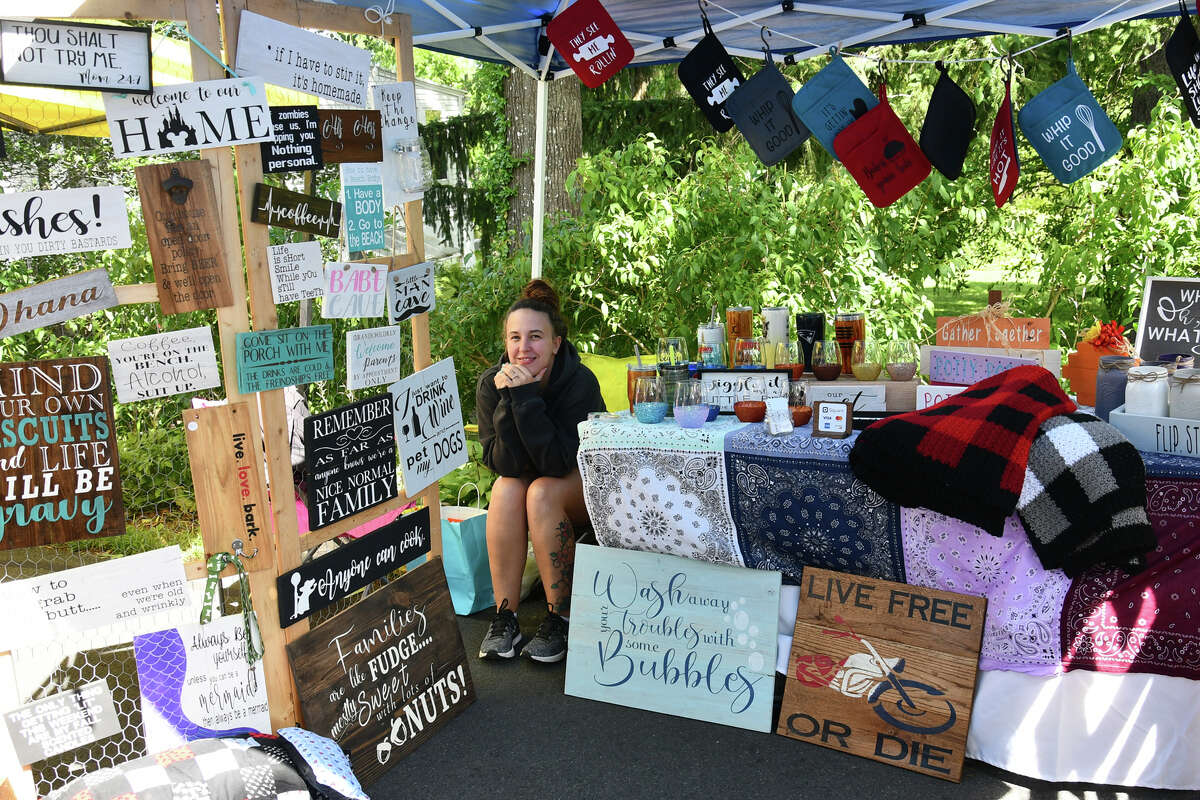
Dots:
(529, 408)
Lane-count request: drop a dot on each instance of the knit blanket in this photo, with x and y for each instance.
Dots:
(965, 456)
(1084, 498)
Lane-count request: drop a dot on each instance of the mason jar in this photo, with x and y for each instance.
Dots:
(1146, 391)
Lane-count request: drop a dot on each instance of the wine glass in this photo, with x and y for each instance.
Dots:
(712, 354)
(648, 403)
(902, 359)
(747, 353)
(827, 359)
(672, 350)
(691, 410)
(865, 360)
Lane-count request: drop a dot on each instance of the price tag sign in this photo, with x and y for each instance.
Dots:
(833, 420)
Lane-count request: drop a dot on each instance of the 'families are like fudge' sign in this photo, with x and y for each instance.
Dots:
(189, 116)
(63, 221)
(59, 476)
(429, 426)
(350, 459)
(673, 635)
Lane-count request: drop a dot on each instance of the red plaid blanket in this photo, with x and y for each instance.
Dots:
(965, 456)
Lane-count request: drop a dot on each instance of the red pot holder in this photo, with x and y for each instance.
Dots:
(881, 154)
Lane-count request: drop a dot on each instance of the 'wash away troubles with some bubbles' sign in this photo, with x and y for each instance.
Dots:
(673, 635)
(59, 476)
(429, 425)
(384, 675)
(63, 221)
(350, 458)
(1170, 318)
(341, 572)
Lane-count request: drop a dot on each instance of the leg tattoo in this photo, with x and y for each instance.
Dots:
(563, 560)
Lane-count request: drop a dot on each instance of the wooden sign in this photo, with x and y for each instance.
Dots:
(227, 473)
(269, 360)
(297, 271)
(295, 211)
(410, 292)
(164, 364)
(296, 146)
(883, 670)
(74, 55)
(863, 396)
(932, 395)
(354, 290)
(132, 590)
(183, 229)
(189, 116)
(397, 104)
(350, 459)
(63, 221)
(724, 387)
(362, 193)
(62, 722)
(673, 635)
(59, 473)
(341, 572)
(373, 357)
(350, 136)
(1169, 321)
(55, 301)
(195, 682)
(429, 426)
(294, 58)
(1018, 333)
(385, 674)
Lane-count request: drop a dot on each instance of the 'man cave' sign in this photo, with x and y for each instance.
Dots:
(385, 674)
(59, 476)
(350, 459)
(323, 581)
(1170, 318)
(75, 55)
(189, 116)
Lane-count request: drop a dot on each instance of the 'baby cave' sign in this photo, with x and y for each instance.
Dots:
(189, 116)
(350, 459)
(429, 426)
(384, 675)
(63, 221)
(59, 476)
(673, 635)
(1170, 318)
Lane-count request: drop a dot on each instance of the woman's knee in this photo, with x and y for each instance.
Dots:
(545, 495)
(508, 495)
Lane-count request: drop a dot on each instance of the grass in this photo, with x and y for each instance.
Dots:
(972, 296)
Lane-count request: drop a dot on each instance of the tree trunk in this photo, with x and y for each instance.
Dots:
(564, 146)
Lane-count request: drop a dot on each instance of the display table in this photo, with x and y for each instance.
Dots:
(730, 493)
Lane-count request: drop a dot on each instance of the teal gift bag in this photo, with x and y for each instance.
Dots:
(1068, 128)
(465, 556)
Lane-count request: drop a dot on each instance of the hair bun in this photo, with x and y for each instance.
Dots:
(537, 289)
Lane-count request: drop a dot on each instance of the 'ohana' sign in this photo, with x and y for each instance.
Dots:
(55, 301)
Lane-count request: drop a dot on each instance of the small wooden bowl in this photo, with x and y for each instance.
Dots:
(750, 410)
(801, 415)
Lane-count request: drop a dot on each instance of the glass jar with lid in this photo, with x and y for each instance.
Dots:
(1111, 379)
(1183, 394)
(1146, 391)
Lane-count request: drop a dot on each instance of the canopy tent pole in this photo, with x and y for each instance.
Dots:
(539, 177)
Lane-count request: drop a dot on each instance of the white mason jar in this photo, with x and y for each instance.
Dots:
(1183, 395)
(1146, 391)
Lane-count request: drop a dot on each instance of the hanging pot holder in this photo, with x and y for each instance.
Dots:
(710, 77)
(1183, 58)
(949, 126)
(1004, 166)
(1068, 128)
(590, 42)
(881, 154)
(762, 110)
(831, 100)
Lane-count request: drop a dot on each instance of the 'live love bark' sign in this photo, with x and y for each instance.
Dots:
(59, 476)
(350, 459)
(298, 212)
(323, 581)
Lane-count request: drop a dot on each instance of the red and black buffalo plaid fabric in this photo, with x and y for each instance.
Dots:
(965, 456)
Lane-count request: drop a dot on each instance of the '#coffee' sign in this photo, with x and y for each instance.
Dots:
(350, 459)
(429, 426)
(883, 670)
(189, 116)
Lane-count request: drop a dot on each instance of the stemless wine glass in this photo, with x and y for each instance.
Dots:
(672, 350)
(747, 354)
(902, 359)
(865, 360)
(691, 410)
(827, 360)
(648, 403)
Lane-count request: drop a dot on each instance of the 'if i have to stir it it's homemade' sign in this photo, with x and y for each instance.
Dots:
(59, 475)
(350, 458)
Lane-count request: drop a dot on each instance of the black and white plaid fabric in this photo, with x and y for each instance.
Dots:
(1084, 497)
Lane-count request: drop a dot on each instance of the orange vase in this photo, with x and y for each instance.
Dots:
(1081, 368)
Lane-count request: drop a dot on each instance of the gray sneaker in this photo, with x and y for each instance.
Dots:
(503, 635)
(549, 644)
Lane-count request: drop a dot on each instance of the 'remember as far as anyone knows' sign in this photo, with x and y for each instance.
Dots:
(74, 55)
(269, 360)
(298, 212)
(296, 146)
(350, 458)
(1169, 321)
(343, 571)
(883, 670)
(189, 116)
(63, 221)
(429, 426)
